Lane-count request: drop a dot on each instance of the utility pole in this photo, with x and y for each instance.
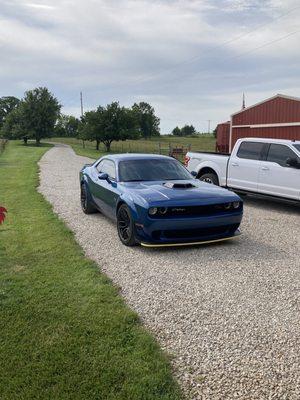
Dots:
(81, 104)
(209, 121)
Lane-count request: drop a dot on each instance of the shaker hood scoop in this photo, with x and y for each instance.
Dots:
(178, 185)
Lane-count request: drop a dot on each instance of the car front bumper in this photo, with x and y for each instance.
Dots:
(188, 231)
(181, 244)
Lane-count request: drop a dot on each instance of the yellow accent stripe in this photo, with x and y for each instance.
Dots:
(188, 244)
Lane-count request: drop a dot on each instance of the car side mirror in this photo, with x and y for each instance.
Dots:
(103, 176)
(293, 162)
(194, 173)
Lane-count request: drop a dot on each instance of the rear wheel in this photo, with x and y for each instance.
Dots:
(210, 178)
(125, 226)
(86, 201)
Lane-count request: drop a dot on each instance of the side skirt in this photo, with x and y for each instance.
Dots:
(266, 195)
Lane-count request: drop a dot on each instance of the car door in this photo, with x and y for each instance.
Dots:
(94, 182)
(276, 177)
(106, 191)
(243, 166)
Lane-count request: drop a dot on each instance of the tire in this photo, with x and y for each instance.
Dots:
(85, 200)
(210, 178)
(125, 226)
(241, 194)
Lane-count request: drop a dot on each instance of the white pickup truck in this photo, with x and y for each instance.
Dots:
(264, 166)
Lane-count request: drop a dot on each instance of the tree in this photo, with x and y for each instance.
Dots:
(188, 130)
(108, 124)
(12, 126)
(91, 126)
(66, 125)
(39, 113)
(147, 120)
(176, 131)
(7, 105)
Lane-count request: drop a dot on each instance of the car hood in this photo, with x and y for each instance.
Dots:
(157, 191)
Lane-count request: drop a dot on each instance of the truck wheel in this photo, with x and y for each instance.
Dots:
(210, 178)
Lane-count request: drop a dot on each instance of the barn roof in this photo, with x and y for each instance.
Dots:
(283, 96)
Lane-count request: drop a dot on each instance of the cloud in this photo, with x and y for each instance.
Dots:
(41, 6)
(191, 59)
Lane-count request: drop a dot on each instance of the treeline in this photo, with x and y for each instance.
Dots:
(115, 123)
(38, 115)
(186, 130)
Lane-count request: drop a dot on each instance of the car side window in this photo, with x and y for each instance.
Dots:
(108, 167)
(279, 153)
(251, 150)
(99, 166)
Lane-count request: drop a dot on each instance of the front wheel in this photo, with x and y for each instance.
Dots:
(85, 200)
(125, 226)
(210, 178)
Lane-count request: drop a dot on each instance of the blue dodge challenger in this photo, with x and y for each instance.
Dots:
(155, 201)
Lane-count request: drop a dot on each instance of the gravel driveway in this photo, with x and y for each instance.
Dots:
(229, 313)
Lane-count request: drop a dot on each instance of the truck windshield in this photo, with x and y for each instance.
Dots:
(297, 146)
(152, 170)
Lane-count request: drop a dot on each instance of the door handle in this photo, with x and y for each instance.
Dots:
(265, 168)
(234, 164)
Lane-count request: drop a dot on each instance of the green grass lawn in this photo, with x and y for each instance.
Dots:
(65, 331)
(153, 145)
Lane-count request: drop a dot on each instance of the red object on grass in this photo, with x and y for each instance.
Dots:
(2, 214)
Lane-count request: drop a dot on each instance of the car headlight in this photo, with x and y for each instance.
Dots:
(162, 210)
(153, 210)
(157, 211)
(227, 206)
(236, 204)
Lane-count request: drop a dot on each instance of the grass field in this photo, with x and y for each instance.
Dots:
(65, 331)
(154, 145)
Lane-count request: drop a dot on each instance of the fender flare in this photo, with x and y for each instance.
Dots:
(84, 179)
(211, 166)
(129, 201)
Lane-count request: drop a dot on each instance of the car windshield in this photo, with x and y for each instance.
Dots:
(152, 170)
(297, 146)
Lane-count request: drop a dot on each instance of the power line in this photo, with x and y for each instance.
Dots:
(265, 44)
(149, 77)
(247, 52)
(193, 59)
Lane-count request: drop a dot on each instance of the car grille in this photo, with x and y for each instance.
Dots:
(197, 211)
(198, 233)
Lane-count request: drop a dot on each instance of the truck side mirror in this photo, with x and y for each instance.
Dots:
(293, 162)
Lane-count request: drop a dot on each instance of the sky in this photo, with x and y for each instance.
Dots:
(192, 60)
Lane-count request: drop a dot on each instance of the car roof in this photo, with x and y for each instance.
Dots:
(136, 156)
(283, 141)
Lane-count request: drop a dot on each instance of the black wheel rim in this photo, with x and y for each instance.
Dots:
(124, 225)
(208, 180)
(83, 198)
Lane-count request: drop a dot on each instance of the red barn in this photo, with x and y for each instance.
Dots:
(277, 117)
